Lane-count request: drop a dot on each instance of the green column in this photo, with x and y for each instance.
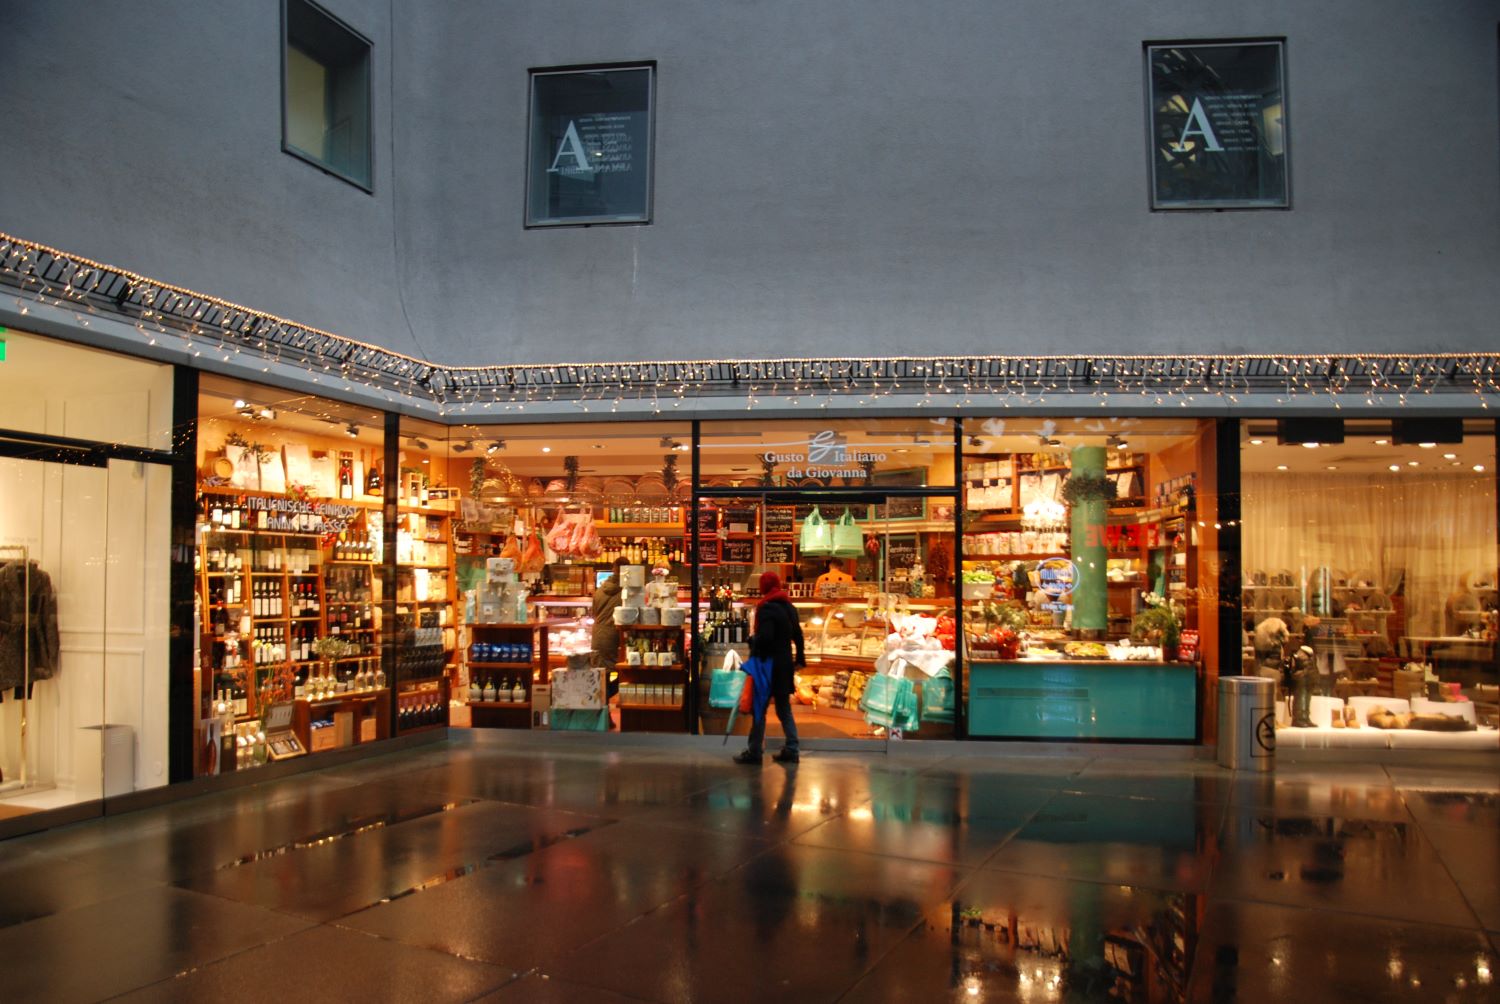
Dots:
(1091, 591)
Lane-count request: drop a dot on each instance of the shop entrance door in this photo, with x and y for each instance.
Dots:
(871, 575)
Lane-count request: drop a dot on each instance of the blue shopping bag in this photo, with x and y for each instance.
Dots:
(725, 687)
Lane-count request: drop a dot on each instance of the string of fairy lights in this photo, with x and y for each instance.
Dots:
(206, 326)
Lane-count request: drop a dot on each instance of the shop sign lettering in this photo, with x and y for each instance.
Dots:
(827, 456)
(1056, 576)
(292, 515)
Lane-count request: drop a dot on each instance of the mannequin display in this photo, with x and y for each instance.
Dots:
(1303, 671)
(1270, 638)
(1321, 640)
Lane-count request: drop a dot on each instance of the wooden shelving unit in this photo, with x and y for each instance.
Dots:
(648, 716)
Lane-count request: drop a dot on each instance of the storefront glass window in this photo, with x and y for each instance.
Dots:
(84, 546)
(1089, 577)
(539, 520)
(290, 540)
(1370, 580)
(857, 519)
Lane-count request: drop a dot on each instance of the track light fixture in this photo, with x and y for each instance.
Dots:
(351, 430)
(495, 446)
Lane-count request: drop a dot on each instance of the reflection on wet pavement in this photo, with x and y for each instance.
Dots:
(497, 871)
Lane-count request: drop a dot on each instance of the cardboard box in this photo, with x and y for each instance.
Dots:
(541, 705)
(343, 729)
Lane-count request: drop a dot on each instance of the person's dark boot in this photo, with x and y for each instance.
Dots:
(785, 755)
(748, 759)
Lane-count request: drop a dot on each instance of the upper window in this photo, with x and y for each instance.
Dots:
(590, 150)
(1218, 125)
(325, 84)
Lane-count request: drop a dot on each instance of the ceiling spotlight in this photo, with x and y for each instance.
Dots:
(1257, 442)
(1395, 467)
(418, 442)
(1412, 463)
(975, 441)
(1426, 446)
(1450, 456)
(1310, 446)
(1331, 467)
(1478, 468)
(1281, 467)
(240, 404)
(463, 447)
(496, 445)
(1382, 442)
(351, 430)
(546, 449)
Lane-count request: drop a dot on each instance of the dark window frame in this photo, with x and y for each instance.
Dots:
(356, 38)
(649, 215)
(1280, 41)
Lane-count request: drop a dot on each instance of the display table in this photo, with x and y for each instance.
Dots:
(1083, 699)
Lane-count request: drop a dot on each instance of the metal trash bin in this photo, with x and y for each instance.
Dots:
(1247, 723)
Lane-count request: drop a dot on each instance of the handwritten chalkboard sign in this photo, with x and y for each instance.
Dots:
(780, 519)
(708, 551)
(739, 552)
(779, 552)
(708, 518)
(901, 552)
(740, 519)
(901, 508)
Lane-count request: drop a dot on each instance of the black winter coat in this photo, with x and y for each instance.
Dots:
(28, 624)
(777, 635)
(606, 636)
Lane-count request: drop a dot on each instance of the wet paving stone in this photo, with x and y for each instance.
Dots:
(1013, 937)
(584, 872)
(1363, 866)
(1256, 952)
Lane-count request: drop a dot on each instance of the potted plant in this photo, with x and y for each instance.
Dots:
(1158, 625)
(1082, 488)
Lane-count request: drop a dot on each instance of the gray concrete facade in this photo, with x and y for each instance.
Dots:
(848, 178)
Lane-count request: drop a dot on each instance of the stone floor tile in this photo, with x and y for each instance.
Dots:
(1374, 867)
(135, 939)
(796, 923)
(1128, 841)
(1256, 952)
(1006, 936)
(526, 912)
(331, 964)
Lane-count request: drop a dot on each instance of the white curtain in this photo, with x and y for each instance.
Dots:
(1434, 532)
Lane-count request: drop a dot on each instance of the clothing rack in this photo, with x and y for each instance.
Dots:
(9, 553)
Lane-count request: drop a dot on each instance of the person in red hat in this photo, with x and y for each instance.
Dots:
(778, 639)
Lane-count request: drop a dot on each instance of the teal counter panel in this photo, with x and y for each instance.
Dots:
(1083, 700)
